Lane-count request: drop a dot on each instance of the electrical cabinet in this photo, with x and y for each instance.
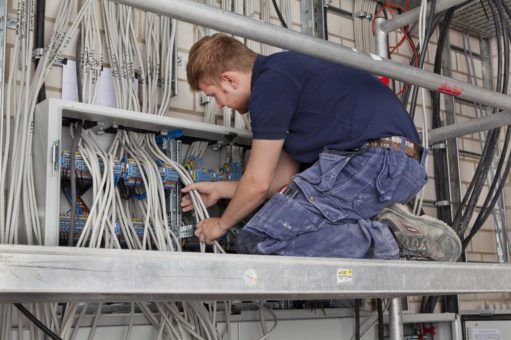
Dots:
(50, 138)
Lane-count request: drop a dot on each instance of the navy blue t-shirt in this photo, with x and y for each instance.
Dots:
(315, 104)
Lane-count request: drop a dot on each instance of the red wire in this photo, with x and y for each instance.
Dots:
(406, 36)
(406, 33)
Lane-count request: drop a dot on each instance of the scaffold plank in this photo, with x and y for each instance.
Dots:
(52, 274)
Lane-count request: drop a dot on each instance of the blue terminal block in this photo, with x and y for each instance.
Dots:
(81, 168)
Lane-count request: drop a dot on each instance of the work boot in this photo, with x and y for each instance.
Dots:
(421, 236)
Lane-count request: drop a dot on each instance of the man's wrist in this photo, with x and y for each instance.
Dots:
(223, 224)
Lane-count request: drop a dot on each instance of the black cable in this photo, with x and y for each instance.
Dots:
(36, 322)
(281, 18)
(440, 155)
(490, 147)
(493, 195)
(39, 39)
(468, 204)
(78, 71)
(357, 318)
(505, 38)
(381, 329)
(325, 23)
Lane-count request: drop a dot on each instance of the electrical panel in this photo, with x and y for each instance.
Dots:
(52, 162)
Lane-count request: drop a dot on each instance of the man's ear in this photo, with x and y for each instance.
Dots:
(230, 78)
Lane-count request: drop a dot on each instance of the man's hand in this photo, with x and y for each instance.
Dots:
(210, 229)
(207, 190)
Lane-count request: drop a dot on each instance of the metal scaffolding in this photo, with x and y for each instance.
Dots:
(229, 22)
(56, 274)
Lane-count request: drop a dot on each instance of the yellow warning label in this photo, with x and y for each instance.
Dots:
(344, 275)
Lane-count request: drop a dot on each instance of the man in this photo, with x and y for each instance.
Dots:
(348, 134)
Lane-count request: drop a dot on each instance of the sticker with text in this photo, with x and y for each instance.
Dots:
(344, 275)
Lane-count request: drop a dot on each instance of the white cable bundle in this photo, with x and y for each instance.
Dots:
(168, 27)
(210, 111)
(265, 17)
(197, 149)
(143, 150)
(250, 12)
(227, 116)
(16, 172)
(363, 11)
(285, 10)
(239, 121)
(156, 223)
(100, 224)
(231, 154)
(91, 58)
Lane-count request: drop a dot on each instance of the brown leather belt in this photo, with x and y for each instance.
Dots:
(411, 149)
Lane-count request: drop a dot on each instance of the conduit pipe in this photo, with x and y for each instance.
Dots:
(221, 20)
(470, 126)
(396, 319)
(411, 16)
(380, 37)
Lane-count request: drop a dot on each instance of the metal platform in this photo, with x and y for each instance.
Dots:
(56, 274)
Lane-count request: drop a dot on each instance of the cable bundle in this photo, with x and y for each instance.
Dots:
(16, 169)
(363, 11)
(89, 57)
(501, 15)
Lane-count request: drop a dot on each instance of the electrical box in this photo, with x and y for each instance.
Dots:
(50, 139)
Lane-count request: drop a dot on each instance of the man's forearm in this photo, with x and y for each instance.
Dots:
(245, 200)
(226, 189)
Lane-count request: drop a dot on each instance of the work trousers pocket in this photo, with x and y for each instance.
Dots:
(397, 179)
(282, 218)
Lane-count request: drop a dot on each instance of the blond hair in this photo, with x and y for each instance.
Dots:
(213, 55)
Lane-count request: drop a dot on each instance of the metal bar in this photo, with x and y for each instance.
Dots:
(312, 18)
(471, 126)
(462, 50)
(52, 274)
(380, 38)
(3, 54)
(412, 15)
(396, 319)
(221, 20)
(452, 153)
(338, 11)
(499, 211)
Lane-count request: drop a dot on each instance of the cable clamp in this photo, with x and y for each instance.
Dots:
(439, 146)
(363, 15)
(38, 53)
(442, 203)
(204, 99)
(11, 22)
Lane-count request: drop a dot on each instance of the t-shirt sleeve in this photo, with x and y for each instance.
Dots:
(273, 102)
